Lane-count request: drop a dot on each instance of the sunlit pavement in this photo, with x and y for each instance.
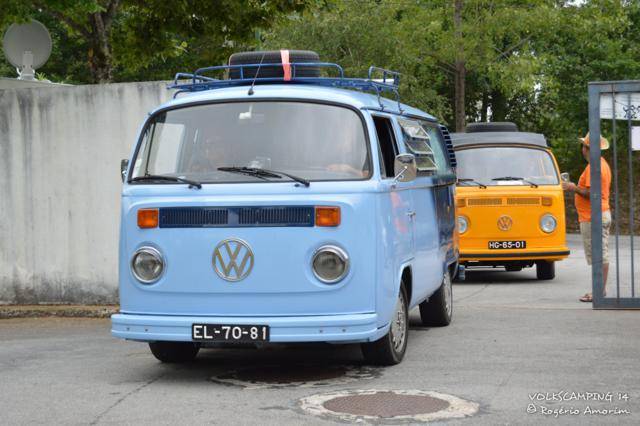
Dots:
(515, 345)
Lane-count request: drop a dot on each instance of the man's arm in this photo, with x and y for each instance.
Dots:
(572, 187)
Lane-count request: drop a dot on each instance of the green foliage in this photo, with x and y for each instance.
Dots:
(125, 40)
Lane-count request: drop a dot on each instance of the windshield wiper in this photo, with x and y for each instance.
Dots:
(480, 184)
(263, 173)
(533, 185)
(192, 183)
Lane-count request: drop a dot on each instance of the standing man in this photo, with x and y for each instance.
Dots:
(583, 205)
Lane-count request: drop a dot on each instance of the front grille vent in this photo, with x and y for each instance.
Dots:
(276, 216)
(523, 201)
(207, 217)
(484, 201)
(193, 217)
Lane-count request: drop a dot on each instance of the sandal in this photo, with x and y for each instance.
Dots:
(586, 298)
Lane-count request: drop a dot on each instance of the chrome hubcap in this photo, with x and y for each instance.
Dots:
(447, 293)
(399, 324)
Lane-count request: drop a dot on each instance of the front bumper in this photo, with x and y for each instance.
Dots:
(326, 328)
(550, 254)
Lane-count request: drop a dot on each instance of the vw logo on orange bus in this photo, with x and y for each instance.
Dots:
(233, 259)
(504, 223)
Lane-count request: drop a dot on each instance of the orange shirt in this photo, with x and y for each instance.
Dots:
(583, 204)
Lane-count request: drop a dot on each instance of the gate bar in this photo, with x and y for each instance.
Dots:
(630, 114)
(616, 212)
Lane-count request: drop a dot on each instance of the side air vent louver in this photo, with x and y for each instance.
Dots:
(447, 140)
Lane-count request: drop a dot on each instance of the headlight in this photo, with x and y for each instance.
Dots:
(147, 265)
(463, 224)
(548, 223)
(330, 264)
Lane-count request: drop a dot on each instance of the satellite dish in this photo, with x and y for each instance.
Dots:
(27, 47)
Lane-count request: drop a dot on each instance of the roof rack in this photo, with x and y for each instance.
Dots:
(197, 81)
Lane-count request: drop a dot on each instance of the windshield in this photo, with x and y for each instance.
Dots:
(311, 141)
(497, 165)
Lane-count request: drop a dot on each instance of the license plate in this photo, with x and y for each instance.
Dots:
(506, 245)
(229, 333)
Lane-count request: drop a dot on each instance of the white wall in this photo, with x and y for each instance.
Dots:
(60, 152)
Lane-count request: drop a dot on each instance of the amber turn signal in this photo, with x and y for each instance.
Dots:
(547, 201)
(148, 218)
(462, 202)
(327, 216)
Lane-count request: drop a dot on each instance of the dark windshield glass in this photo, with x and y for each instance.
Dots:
(312, 141)
(488, 163)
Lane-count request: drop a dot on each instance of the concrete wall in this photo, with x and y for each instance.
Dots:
(60, 152)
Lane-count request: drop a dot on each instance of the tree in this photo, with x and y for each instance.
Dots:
(123, 37)
(471, 52)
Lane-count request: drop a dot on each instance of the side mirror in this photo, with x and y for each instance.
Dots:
(405, 168)
(565, 177)
(124, 167)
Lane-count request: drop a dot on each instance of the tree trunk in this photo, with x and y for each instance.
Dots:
(460, 73)
(100, 50)
(498, 106)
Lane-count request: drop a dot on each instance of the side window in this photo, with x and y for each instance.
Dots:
(387, 146)
(418, 143)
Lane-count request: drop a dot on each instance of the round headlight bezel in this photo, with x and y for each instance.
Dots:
(545, 217)
(337, 251)
(463, 219)
(154, 252)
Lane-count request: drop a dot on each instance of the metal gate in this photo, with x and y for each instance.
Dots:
(618, 101)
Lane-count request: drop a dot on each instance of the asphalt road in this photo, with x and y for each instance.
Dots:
(513, 338)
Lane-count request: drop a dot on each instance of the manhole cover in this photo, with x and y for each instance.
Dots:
(401, 405)
(386, 404)
(300, 375)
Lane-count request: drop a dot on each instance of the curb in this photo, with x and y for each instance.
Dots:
(66, 311)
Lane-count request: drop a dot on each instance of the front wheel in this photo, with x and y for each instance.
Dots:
(545, 270)
(437, 310)
(390, 349)
(174, 352)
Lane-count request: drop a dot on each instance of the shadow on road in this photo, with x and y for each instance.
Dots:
(498, 276)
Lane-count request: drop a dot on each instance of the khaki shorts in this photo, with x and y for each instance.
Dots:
(585, 231)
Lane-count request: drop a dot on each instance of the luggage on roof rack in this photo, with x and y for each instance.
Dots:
(274, 57)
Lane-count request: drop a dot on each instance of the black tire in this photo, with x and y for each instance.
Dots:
(273, 57)
(437, 310)
(384, 350)
(498, 126)
(174, 352)
(545, 270)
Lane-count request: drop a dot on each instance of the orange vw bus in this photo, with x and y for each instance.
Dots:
(510, 204)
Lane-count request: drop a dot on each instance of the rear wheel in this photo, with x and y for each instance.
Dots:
(390, 349)
(545, 270)
(438, 309)
(174, 352)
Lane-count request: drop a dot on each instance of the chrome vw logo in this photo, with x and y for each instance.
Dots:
(504, 223)
(232, 259)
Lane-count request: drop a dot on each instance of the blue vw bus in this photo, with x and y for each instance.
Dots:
(285, 202)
